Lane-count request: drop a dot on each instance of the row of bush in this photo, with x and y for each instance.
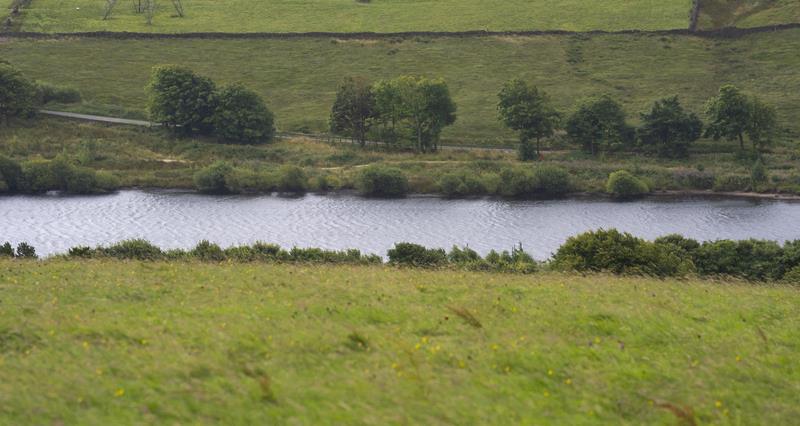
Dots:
(608, 251)
(59, 174)
(674, 255)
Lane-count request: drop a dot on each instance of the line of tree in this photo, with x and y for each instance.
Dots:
(190, 104)
(415, 109)
(600, 123)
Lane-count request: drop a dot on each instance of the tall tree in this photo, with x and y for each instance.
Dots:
(528, 111)
(425, 107)
(599, 123)
(728, 114)
(762, 124)
(182, 100)
(668, 129)
(17, 93)
(354, 109)
(242, 116)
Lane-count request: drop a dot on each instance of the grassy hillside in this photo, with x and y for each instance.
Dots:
(132, 343)
(358, 16)
(299, 77)
(747, 13)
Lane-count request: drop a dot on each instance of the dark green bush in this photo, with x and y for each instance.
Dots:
(38, 177)
(6, 250)
(26, 251)
(10, 173)
(137, 249)
(551, 180)
(381, 181)
(242, 117)
(81, 181)
(616, 252)
(292, 179)
(515, 261)
(17, 93)
(54, 93)
(208, 252)
(182, 100)
(755, 260)
(80, 251)
(461, 183)
(409, 254)
(792, 276)
(213, 179)
(516, 182)
(622, 184)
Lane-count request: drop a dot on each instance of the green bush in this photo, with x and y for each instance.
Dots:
(26, 251)
(461, 183)
(517, 182)
(6, 250)
(732, 183)
(409, 254)
(181, 100)
(242, 117)
(292, 179)
(81, 181)
(213, 179)
(792, 276)
(381, 181)
(53, 93)
(551, 180)
(17, 93)
(137, 249)
(754, 260)
(208, 252)
(616, 252)
(758, 174)
(38, 177)
(622, 184)
(10, 173)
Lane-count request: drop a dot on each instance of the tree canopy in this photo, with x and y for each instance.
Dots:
(182, 100)
(242, 117)
(599, 122)
(529, 111)
(668, 130)
(354, 109)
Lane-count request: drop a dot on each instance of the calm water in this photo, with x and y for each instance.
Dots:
(178, 220)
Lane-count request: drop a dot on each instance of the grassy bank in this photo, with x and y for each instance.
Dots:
(100, 342)
(298, 78)
(355, 16)
(150, 158)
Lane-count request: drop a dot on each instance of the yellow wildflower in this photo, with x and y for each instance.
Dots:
(119, 392)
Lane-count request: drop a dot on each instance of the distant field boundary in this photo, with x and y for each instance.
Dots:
(717, 33)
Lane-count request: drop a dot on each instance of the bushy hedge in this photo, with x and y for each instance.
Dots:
(23, 251)
(381, 181)
(60, 174)
(618, 253)
(545, 180)
(223, 178)
(622, 184)
(415, 255)
(461, 183)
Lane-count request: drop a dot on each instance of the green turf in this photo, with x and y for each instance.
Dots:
(355, 16)
(298, 78)
(157, 343)
(748, 13)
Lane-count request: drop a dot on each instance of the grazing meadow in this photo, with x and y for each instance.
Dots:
(153, 342)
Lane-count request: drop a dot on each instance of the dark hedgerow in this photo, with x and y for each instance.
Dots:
(382, 181)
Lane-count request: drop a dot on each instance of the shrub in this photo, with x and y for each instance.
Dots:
(53, 93)
(208, 252)
(81, 181)
(181, 100)
(732, 183)
(750, 259)
(292, 179)
(622, 184)
(6, 250)
(26, 251)
(461, 183)
(793, 276)
(551, 180)
(516, 261)
(106, 181)
(38, 177)
(17, 93)
(213, 179)
(10, 173)
(616, 252)
(80, 251)
(381, 181)
(517, 182)
(409, 254)
(242, 117)
(758, 174)
(132, 249)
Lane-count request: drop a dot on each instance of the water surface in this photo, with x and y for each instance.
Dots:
(179, 220)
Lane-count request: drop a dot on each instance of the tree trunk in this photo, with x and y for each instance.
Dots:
(741, 142)
(538, 147)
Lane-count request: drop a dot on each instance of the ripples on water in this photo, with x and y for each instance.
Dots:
(179, 220)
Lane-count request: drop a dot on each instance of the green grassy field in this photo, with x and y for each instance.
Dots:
(354, 16)
(298, 78)
(147, 343)
(748, 13)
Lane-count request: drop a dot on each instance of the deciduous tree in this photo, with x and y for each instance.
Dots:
(528, 111)
(668, 130)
